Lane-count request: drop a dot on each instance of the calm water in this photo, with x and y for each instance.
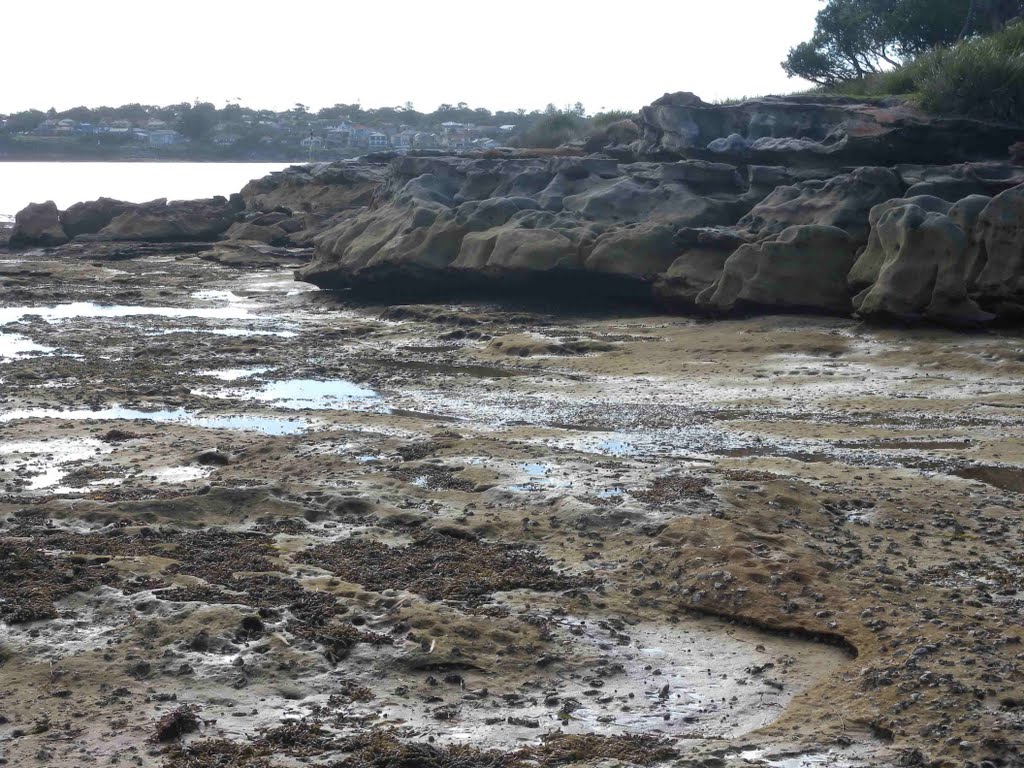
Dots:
(68, 183)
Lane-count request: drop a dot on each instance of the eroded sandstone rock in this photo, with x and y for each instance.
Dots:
(923, 268)
(803, 268)
(38, 224)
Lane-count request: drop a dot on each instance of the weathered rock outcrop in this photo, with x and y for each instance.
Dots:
(955, 263)
(88, 218)
(38, 225)
(803, 268)
(921, 258)
(995, 269)
(843, 202)
(455, 219)
(776, 204)
(188, 220)
(324, 188)
(816, 131)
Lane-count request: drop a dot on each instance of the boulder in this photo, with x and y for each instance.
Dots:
(869, 263)
(324, 188)
(703, 253)
(804, 268)
(642, 250)
(247, 230)
(90, 217)
(38, 224)
(844, 202)
(182, 221)
(923, 273)
(533, 250)
(996, 255)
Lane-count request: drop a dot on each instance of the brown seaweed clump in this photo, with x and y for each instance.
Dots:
(177, 723)
(440, 567)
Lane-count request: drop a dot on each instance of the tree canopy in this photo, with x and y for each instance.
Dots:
(854, 38)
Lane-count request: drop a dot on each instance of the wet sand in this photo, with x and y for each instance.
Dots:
(237, 508)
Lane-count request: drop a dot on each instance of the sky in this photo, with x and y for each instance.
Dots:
(498, 54)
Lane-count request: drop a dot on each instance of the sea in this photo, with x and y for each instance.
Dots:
(69, 183)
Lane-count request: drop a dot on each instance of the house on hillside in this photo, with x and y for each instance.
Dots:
(339, 135)
(405, 139)
(164, 138)
(378, 141)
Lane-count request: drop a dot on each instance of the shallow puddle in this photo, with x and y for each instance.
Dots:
(299, 394)
(90, 309)
(267, 425)
(233, 374)
(14, 345)
(696, 679)
(46, 461)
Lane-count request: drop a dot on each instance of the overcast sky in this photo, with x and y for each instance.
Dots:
(492, 53)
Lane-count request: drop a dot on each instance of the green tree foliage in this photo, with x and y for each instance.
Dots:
(197, 121)
(22, 122)
(856, 38)
(554, 129)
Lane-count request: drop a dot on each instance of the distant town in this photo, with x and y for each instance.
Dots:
(201, 131)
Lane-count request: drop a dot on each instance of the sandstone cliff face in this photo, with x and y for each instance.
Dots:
(666, 218)
(810, 130)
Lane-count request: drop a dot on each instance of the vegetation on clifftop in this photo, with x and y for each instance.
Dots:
(955, 57)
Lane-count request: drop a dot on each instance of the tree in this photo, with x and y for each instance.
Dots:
(854, 38)
(197, 121)
(990, 15)
(23, 122)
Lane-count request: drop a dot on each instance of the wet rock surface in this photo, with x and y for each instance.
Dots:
(245, 522)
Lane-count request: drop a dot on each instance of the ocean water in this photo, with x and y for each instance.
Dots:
(69, 183)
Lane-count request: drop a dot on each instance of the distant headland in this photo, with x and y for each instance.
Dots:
(202, 132)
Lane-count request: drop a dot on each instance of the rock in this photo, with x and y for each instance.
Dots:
(996, 256)
(923, 273)
(532, 249)
(90, 217)
(814, 130)
(804, 268)
(959, 181)
(189, 220)
(249, 231)
(324, 188)
(869, 263)
(641, 250)
(843, 202)
(703, 253)
(38, 224)
(251, 254)
(212, 457)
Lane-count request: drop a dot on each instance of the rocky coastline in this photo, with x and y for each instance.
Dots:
(631, 483)
(774, 205)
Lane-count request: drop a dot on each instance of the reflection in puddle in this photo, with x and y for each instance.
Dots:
(75, 309)
(297, 394)
(616, 447)
(232, 332)
(267, 425)
(45, 460)
(179, 474)
(539, 477)
(14, 345)
(233, 374)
